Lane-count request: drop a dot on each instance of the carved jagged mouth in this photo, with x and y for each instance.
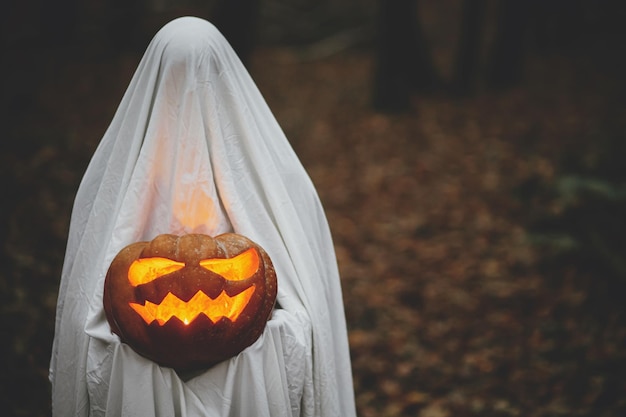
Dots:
(186, 311)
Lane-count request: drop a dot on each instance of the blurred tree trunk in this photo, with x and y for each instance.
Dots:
(237, 20)
(403, 61)
(469, 47)
(506, 65)
(59, 20)
(122, 25)
(558, 23)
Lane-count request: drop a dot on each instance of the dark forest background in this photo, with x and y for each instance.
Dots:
(469, 154)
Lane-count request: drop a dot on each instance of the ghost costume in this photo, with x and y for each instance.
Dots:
(194, 148)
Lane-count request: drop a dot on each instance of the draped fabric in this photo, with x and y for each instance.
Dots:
(194, 148)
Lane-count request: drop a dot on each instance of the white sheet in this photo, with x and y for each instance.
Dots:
(193, 147)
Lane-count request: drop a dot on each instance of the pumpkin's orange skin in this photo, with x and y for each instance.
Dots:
(201, 343)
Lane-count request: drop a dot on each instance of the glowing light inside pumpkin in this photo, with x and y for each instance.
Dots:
(146, 270)
(241, 267)
(200, 303)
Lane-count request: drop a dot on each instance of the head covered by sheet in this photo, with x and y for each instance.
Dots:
(194, 148)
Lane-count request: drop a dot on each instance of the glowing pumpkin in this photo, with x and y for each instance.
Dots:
(190, 301)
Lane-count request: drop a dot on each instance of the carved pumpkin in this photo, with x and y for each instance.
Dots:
(190, 301)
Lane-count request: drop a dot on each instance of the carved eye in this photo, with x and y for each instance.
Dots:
(241, 267)
(145, 270)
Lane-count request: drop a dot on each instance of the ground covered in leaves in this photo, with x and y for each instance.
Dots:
(449, 307)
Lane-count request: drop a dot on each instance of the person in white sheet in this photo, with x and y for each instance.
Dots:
(194, 148)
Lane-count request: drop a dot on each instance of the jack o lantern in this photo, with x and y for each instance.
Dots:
(190, 301)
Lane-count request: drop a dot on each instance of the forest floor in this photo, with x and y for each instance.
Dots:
(449, 311)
